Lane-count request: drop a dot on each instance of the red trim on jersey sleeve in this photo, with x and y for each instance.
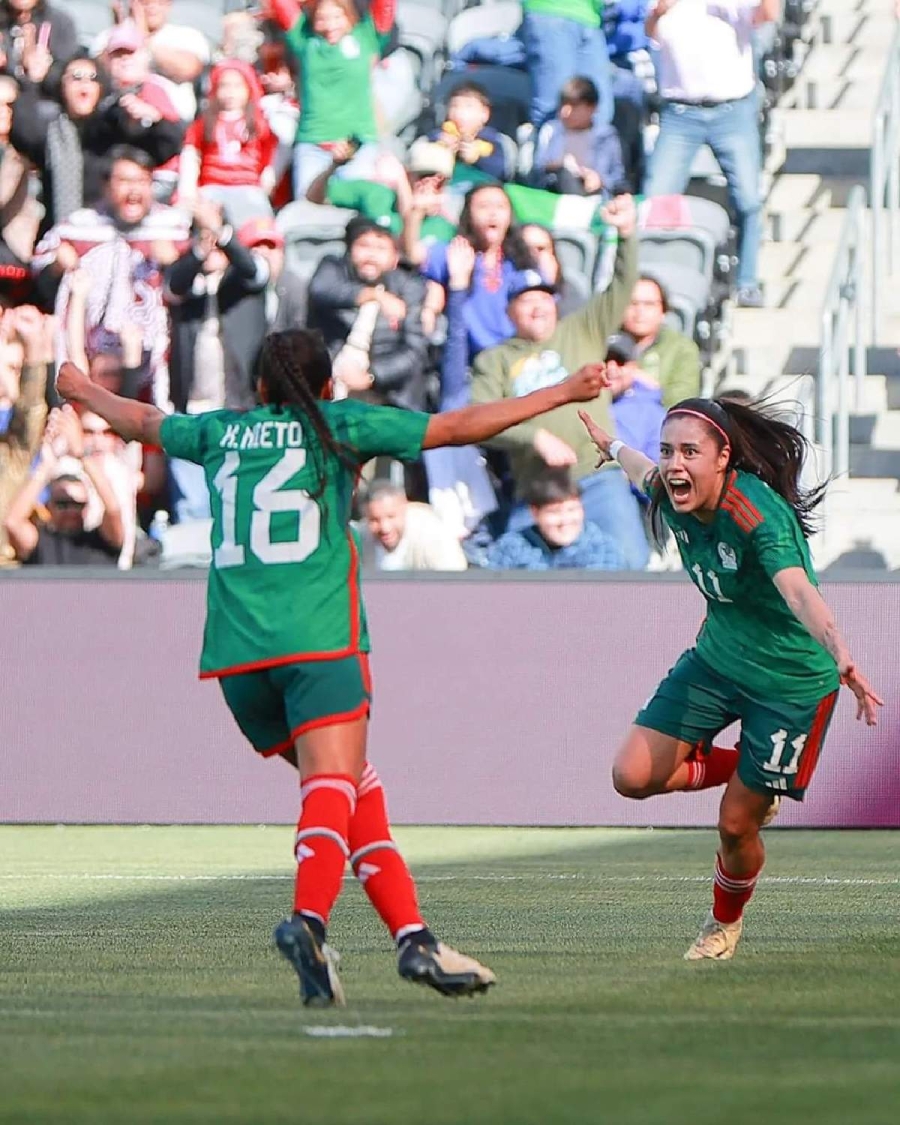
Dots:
(810, 757)
(735, 501)
(739, 516)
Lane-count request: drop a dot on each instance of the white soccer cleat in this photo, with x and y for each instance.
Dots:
(443, 968)
(772, 811)
(716, 941)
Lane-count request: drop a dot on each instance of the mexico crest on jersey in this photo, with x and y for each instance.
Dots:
(728, 557)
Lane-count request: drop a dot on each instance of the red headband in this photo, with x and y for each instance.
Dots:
(699, 414)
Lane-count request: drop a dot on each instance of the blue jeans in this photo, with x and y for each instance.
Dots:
(559, 49)
(610, 504)
(732, 132)
(310, 162)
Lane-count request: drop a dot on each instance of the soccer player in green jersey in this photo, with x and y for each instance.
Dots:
(286, 629)
(768, 654)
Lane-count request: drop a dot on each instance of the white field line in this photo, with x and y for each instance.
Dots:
(484, 1014)
(238, 877)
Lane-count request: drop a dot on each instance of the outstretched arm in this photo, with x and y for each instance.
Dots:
(474, 424)
(814, 614)
(132, 421)
(637, 465)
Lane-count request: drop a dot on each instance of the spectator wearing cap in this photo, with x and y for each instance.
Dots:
(542, 245)
(65, 539)
(37, 39)
(285, 291)
(563, 38)
(477, 149)
(637, 408)
(177, 52)
(370, 313)
(706, 76)
(127, 61)
(668, 357)
(578, 152)
(229, 150)
(559, 538)
(70, 149)
(486, 222)
(546, 350)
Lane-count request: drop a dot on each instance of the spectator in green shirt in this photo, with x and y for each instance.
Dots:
(666, 355)
(335, 50)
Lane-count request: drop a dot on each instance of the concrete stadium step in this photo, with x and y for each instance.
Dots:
(878, 429)
(836, 139)
(807, 225)
(864, 29)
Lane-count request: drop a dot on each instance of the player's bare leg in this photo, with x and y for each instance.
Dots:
(389, 886)
(331, 760)
(739, 862)
(650, 762)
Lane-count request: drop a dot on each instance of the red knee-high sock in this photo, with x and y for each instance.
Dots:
(705, 771)
(329, 801)
(731, 893)
(377, 862)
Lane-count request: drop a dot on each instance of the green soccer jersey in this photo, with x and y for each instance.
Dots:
(284, 580)
(750, 635)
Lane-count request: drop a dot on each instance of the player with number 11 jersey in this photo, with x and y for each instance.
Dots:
(768, 654)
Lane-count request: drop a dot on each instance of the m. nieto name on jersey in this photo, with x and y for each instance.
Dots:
(262, 435)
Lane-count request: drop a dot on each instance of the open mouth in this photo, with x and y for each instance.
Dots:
(679, 489)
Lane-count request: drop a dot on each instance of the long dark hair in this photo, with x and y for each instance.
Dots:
(513, 245)
(294, 367)
(762, 444)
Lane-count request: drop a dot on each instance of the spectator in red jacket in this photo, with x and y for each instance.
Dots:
(229, 149)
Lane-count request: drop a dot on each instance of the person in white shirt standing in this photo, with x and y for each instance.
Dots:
(707, 81)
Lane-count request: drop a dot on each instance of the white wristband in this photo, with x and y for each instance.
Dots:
(615, 448)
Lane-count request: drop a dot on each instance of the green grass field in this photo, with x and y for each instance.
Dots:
(137, 983)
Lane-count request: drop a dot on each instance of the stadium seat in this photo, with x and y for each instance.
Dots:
(91, 17)
(576, 250)
(310, 232)
(696, 233)
(203, 15)
(421, 31)
(689, 293)
(509, 91)
(487, 21)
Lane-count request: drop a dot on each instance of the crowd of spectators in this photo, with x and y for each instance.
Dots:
(144, 179)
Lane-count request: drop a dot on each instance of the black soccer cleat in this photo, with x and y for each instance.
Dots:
(313, 960)
(442, 968)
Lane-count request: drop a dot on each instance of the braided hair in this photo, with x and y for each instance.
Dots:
(760, 443)
(294, 369)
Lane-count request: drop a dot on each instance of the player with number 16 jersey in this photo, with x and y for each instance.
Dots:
(284, 584)
(286, 631)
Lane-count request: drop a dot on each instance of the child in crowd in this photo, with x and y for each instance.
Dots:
(476, 147)
(577, 153)
(229, 150)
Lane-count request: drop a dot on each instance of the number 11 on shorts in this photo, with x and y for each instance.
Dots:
(779, 742)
